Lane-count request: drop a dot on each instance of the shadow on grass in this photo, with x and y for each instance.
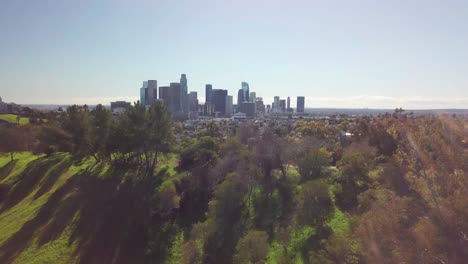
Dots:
(108, 218)
(52, 176)
(28, 180)
(7, 169)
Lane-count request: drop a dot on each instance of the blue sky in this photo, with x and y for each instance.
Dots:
(365, 53)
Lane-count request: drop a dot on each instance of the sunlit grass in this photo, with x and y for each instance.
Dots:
(21, 159)
(56, 251)
(11, 118)
(14, 219)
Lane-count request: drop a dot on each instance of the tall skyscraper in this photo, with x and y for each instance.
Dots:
(288, 104)
(184, 93)
(193, 102)
(245, 89)
(219, 101)
(282, 106)
(144, 93)
(208, 93)
(164, 95)
(276, 104)
(151, 92)
(252, 97)
(176, 94)
(247, 108)
(300, 104)
(259, 105)
(240, 97)
(171, 97)
(228, 111)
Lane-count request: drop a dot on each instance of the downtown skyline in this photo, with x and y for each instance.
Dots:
(337, 54)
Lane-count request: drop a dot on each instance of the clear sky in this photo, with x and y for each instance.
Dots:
(369, 53)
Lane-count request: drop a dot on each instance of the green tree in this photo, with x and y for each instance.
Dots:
(12, 139)
(198, 152)
(101, 124)
(221, 230)
(77, 123)
(312, 163)
(354, 168)
(314, 204)
(160, 135)
(141, 135)
(53, 138)
(252, 248)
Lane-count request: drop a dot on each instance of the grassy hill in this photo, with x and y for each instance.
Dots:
(55, 211)
(13, 119)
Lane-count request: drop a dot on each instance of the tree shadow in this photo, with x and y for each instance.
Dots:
(52, 176)
(7, 169)
(28, 180)
(108, 217)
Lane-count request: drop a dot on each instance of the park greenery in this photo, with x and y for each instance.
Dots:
(90, 187)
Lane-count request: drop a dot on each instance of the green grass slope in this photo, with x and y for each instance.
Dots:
(13, 119)
(31, 180)
(55, 211)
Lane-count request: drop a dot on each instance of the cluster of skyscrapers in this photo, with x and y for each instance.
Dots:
(175, 96)
(284, 105)
(218, 103)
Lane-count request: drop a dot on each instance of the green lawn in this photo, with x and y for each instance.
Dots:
(34, 179)
(13, 119)
(44, 206)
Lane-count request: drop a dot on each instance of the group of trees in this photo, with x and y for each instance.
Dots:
(396, 192)
(135, 138)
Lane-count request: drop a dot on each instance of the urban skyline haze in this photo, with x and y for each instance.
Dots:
(371, 54)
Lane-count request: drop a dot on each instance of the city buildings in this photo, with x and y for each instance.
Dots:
(151, 92)
(208, 93)
(245, 89)
(208, 108)
(148, 92)
(170, 95)
(276, 104)
(175, 97)
(184, 105)
(144, 93)
(288, 106)
(219, 101)
(300, 104)
(193, 102)
(119, 106)
(282, 106)
(260, 107)
(247, 108)
(252, 97)
(240, 96)
(229, 110)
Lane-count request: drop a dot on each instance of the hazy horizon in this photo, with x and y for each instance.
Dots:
(338, 54)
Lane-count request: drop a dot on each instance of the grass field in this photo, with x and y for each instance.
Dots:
(13, 119)
(53, 206)
(33, 179)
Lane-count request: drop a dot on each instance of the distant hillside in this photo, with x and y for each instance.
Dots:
(11, 118)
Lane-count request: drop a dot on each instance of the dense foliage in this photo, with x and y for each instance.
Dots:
(394, 191)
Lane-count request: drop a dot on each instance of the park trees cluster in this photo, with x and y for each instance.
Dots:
(133, 139)
(396, 192)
